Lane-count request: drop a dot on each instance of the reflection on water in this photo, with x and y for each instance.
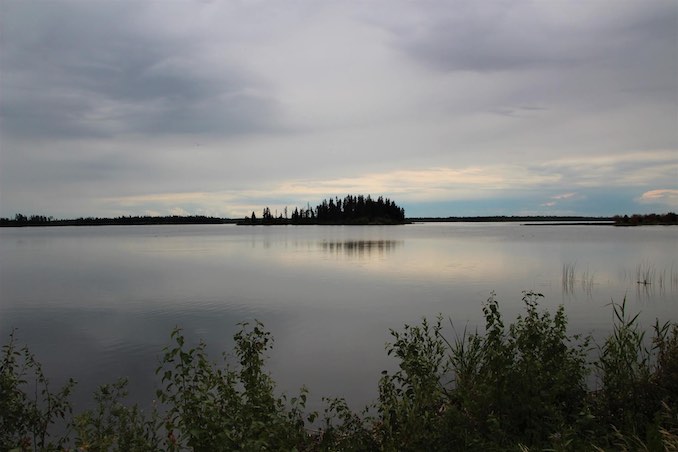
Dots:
(360, 249)
(328, 294)
(573, 280)
(646, 280)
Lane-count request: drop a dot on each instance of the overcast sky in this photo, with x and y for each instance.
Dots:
(471, 107)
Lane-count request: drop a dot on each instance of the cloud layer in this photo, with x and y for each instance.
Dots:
(112, 108)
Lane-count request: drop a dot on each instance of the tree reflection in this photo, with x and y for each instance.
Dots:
(360, 248)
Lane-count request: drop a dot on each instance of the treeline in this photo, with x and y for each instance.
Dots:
(507, 219)
(519, 387)
(649, 219)
(40, 220)
(350, 210)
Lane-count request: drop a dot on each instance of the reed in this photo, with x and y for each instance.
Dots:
(645, 273)
(587, 279)
(568, 278)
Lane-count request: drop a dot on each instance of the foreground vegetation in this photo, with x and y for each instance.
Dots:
(522, 386)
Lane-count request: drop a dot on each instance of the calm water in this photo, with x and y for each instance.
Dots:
(98, 303)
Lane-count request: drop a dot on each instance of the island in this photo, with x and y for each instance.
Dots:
(352, 210)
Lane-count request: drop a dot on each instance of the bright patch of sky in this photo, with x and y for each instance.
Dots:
(449, 108)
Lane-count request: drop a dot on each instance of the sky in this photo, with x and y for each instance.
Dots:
(449, 108)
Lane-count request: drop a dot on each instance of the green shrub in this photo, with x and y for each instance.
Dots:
(212, 408)
(344, 430)
(412, 399)
(113, 426)
(29, 408)
(522, 384)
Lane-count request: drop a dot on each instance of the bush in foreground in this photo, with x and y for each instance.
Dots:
(516, 387)
(524, 384)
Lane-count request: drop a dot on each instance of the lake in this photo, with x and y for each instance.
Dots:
(98, 303)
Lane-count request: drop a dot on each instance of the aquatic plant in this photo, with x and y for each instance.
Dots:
(569, 278)
(645, 274)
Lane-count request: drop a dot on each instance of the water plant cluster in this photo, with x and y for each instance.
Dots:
(647, 274)
(570, 277)
(528, 385)
(646, 277)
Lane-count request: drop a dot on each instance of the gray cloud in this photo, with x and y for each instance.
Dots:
(509, 35)
(77, 69)
(111, 107)
(576, 58)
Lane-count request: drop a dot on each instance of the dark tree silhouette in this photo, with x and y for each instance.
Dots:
(649, 219)
(351, 210)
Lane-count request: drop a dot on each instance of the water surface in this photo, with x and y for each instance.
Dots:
(97, 303)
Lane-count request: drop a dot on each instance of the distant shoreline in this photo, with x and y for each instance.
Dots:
(573, 223)
(120, 221)
(192, 220)
(511, 219)
(178, 220)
